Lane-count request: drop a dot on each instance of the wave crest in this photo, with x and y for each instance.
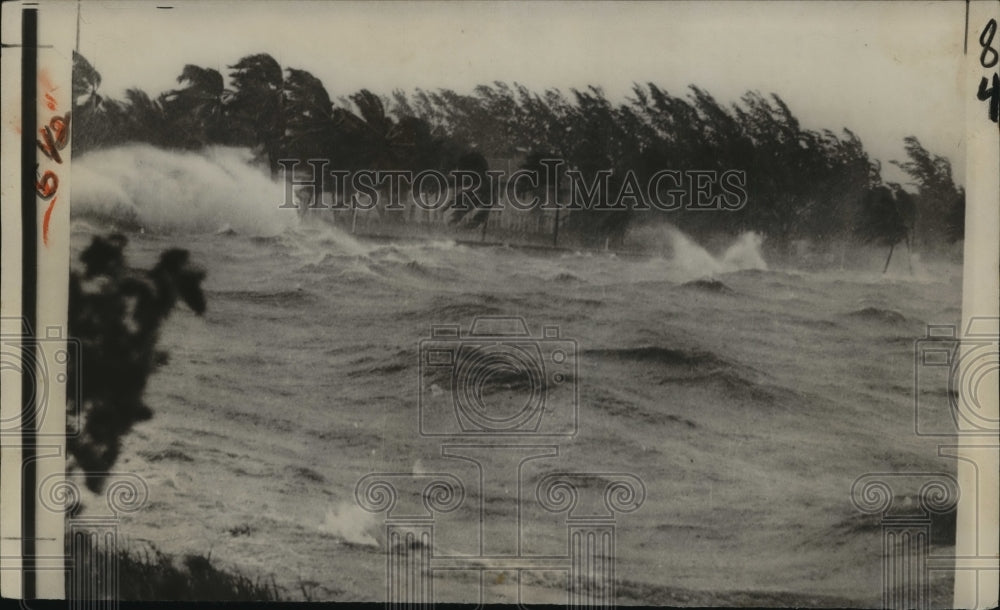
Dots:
(165, 191)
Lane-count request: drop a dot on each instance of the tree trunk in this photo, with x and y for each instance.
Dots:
(555, 230)
(889, 258)
(909, 254)
(486, 221)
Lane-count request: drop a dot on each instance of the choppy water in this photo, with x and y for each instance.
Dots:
(746, 399)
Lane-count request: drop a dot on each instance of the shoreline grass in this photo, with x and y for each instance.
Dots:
(149, 574)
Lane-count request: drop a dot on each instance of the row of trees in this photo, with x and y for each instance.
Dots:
(802, 184)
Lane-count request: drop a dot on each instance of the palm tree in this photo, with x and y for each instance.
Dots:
(196, 110)
(474, 161)
(939, 201)
(409, 143)
(86, 82)
(254, 106)
(95, 119)
(146, 119)
(887, 218)
(308, 116)
(374, 140)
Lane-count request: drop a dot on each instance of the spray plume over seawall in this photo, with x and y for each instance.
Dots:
(179, 192)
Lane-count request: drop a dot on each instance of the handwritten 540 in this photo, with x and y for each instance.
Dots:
(54, 138)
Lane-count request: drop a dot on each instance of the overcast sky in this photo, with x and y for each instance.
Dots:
(885, 70)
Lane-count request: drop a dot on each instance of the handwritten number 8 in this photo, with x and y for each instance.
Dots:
(986, 41)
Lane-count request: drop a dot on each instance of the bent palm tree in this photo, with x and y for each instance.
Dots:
(196, 110)
(308, 116)
(887, 218)
(146, 118)
(255, 106)
(96, 120)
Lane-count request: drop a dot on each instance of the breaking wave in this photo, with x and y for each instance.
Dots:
(683, 259)
(161, 191)
(695, 261)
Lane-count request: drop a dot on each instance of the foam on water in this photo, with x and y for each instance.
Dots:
(351, 523)
(315, 240)
(189, 192)
(297, 362)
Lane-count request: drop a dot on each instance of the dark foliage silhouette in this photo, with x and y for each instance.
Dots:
(939, 202)
(887, 218)
(116, 313)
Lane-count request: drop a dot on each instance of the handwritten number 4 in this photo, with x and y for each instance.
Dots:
(992, 94)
